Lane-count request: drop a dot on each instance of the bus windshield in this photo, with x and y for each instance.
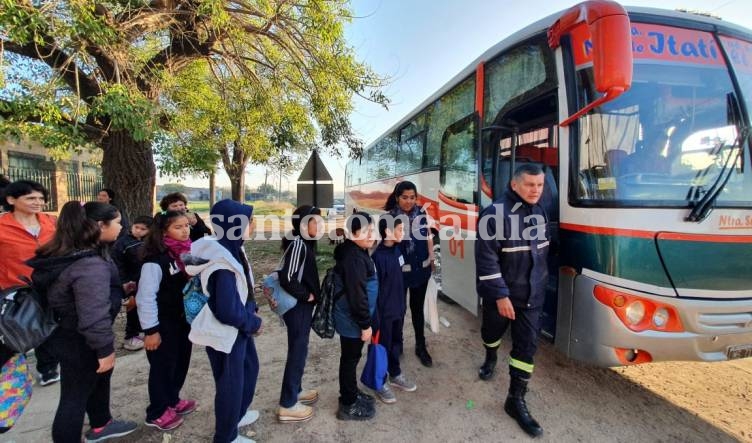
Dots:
(673, 136)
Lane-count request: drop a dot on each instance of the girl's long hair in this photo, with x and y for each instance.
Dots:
(154, 241)
(77, 228)
(399, 188)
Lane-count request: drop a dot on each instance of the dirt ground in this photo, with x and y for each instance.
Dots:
(672, 402)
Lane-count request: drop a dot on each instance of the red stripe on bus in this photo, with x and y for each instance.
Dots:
(480, 78)
(705, 238)
(600, 230)
(458, 205)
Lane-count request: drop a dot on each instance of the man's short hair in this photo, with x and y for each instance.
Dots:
(527, 168)
(143, 220)
(171, 198)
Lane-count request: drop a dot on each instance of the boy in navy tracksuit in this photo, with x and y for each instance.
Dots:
(390, 305)
(126, 253)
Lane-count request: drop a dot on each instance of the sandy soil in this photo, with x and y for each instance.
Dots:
(672, 402)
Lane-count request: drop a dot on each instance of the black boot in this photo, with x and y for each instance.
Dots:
(516, 407)
(425, 358)
(486, 370)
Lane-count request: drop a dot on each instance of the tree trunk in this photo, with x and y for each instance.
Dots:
(128, 168)
(237, 183)
(212, 188)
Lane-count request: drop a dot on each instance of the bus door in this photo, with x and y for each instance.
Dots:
(528, 134)
(458, 210)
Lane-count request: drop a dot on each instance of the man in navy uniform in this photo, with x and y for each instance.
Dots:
(511, 272)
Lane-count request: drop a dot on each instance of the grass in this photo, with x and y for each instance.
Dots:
(260, 207)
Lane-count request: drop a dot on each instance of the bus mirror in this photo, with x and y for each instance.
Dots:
(611, 38)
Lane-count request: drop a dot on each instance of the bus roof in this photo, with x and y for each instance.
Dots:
(541, 26)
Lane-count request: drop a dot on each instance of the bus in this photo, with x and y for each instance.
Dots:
(640, 119)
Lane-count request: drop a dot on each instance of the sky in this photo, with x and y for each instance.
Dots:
(420, 45)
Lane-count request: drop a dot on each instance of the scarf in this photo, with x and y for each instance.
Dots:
(176, 248)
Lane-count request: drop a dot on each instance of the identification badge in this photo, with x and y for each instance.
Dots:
(407, 268)
(174, 269)
(401, 260)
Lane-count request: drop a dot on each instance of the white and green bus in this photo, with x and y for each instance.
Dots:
(640, 119)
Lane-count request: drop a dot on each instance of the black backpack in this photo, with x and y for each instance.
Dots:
(323, 315)
(24, 322)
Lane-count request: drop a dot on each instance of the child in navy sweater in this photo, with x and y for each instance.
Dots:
(390, 305)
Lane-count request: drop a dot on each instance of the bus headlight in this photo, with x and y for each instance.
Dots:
(635, 312)
(660, 317)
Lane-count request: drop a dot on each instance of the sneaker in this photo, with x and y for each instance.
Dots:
(298, 413)
(402, 383)
(365, 398)
(133, 344)
(185, 407)
(167, 422)
(249, 418)
(243, 439)
(386, 395)
(308, 396)
(49, 377)
(113, 429)
(357, 411)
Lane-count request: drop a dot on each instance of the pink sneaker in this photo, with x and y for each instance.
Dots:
(167, 422)
(185, 407)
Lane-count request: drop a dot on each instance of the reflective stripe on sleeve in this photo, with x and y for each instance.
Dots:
(489, 277)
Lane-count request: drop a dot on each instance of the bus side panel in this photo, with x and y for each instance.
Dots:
(564, 311)
(458, 267)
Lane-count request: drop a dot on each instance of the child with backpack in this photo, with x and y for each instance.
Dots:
(227, 323)
(127, 256)
(159, 301)
(352, 313)
(294, 402)
(390, 305)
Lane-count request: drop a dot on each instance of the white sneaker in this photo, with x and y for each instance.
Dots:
(249, 418)
(243, 439)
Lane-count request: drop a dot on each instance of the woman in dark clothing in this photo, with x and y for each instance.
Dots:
(417, 250)
(176, 201)
(300, 251)
(69, 270)
(353, 312)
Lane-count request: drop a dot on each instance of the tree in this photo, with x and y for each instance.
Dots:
(101, 69)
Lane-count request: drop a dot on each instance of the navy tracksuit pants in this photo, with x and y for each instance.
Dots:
(235, 376)
(298, 322)
(390, 337)
(168, 366)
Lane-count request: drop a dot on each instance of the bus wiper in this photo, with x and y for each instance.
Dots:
(703, 206)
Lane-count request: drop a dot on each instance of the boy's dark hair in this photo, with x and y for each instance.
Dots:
(357, 221)
(297, 216)
(110, 194)
(20, 188)
(171, 198)
(387, 222)
(153, 242)
(143, 220)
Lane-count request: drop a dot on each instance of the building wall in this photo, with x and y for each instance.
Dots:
(77, 177)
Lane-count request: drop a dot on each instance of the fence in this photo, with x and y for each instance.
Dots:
(63, 186)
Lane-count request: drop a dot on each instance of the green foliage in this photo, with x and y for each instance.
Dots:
(126, 109)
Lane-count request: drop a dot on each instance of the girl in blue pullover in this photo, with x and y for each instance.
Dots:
(227, 323)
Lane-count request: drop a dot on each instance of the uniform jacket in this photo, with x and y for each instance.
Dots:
(509, 265)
